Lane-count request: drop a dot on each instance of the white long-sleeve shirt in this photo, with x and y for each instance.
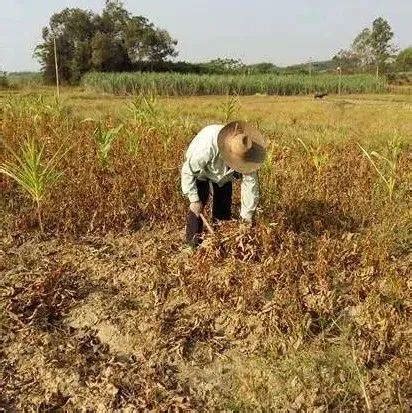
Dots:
(203, 162)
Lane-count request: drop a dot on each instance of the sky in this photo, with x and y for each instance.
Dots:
(282, 32)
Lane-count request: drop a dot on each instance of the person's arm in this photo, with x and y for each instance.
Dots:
(249, 195)
(193, 165)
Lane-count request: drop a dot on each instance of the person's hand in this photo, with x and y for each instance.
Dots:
(196, 208)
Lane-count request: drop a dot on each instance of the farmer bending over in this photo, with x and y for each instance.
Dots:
(218, 155)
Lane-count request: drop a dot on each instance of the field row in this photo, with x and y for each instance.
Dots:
(173, 84)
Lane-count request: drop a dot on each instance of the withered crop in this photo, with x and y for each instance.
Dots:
(308, 310)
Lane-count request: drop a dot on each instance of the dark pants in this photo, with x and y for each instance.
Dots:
(221, 210)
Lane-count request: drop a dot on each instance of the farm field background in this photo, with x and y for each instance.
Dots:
(176, 84)
(307, 310)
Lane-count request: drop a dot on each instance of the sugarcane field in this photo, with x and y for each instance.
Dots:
(219, 236)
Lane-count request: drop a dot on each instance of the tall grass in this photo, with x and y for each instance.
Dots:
(32, 172)
(104, 139)
(174, 84)
(230, 108)
(25, 80)
(386, 166)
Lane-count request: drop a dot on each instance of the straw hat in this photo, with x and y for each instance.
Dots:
(242, 147)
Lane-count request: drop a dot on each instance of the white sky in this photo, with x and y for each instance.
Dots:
(282, 32)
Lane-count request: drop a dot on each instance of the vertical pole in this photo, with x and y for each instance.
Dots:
(57, 68)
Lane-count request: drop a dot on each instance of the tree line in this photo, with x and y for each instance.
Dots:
(116, 40)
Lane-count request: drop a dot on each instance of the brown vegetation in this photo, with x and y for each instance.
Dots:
(307, 310)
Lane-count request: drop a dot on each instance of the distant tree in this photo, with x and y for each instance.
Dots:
(108, 50)
(108, 53)
(225, 65)
(347, 60)
(362, 49)
(159, 45)
(81, 61)
(113, 19)
(72, 29)
(111, 41)
(263, 67)
(146, 43)
(135, 38)
(381, 43)
(372, 47)
(404, 60)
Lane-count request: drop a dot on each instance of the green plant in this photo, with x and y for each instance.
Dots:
(104, 139)
(144, 107)
(386, 166)
(229, 108)
(36, 107)
(133, 142)
(318, 157)
(32, 172)
(176, 84)
(268, 171)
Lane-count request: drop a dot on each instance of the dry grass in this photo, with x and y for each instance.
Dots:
(306, 311)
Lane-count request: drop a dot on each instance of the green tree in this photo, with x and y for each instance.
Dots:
(81, 61)
(381, 43)
(372, 47)
(404, 60)
(135, 38)
(73, 30)
(159, 45)
(264, 67)
(113, 18)
(144, 42)
(225, 65)
(362, 49)
(110, 41)
(109, 54)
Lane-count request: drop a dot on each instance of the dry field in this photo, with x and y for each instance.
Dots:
(102, 310)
